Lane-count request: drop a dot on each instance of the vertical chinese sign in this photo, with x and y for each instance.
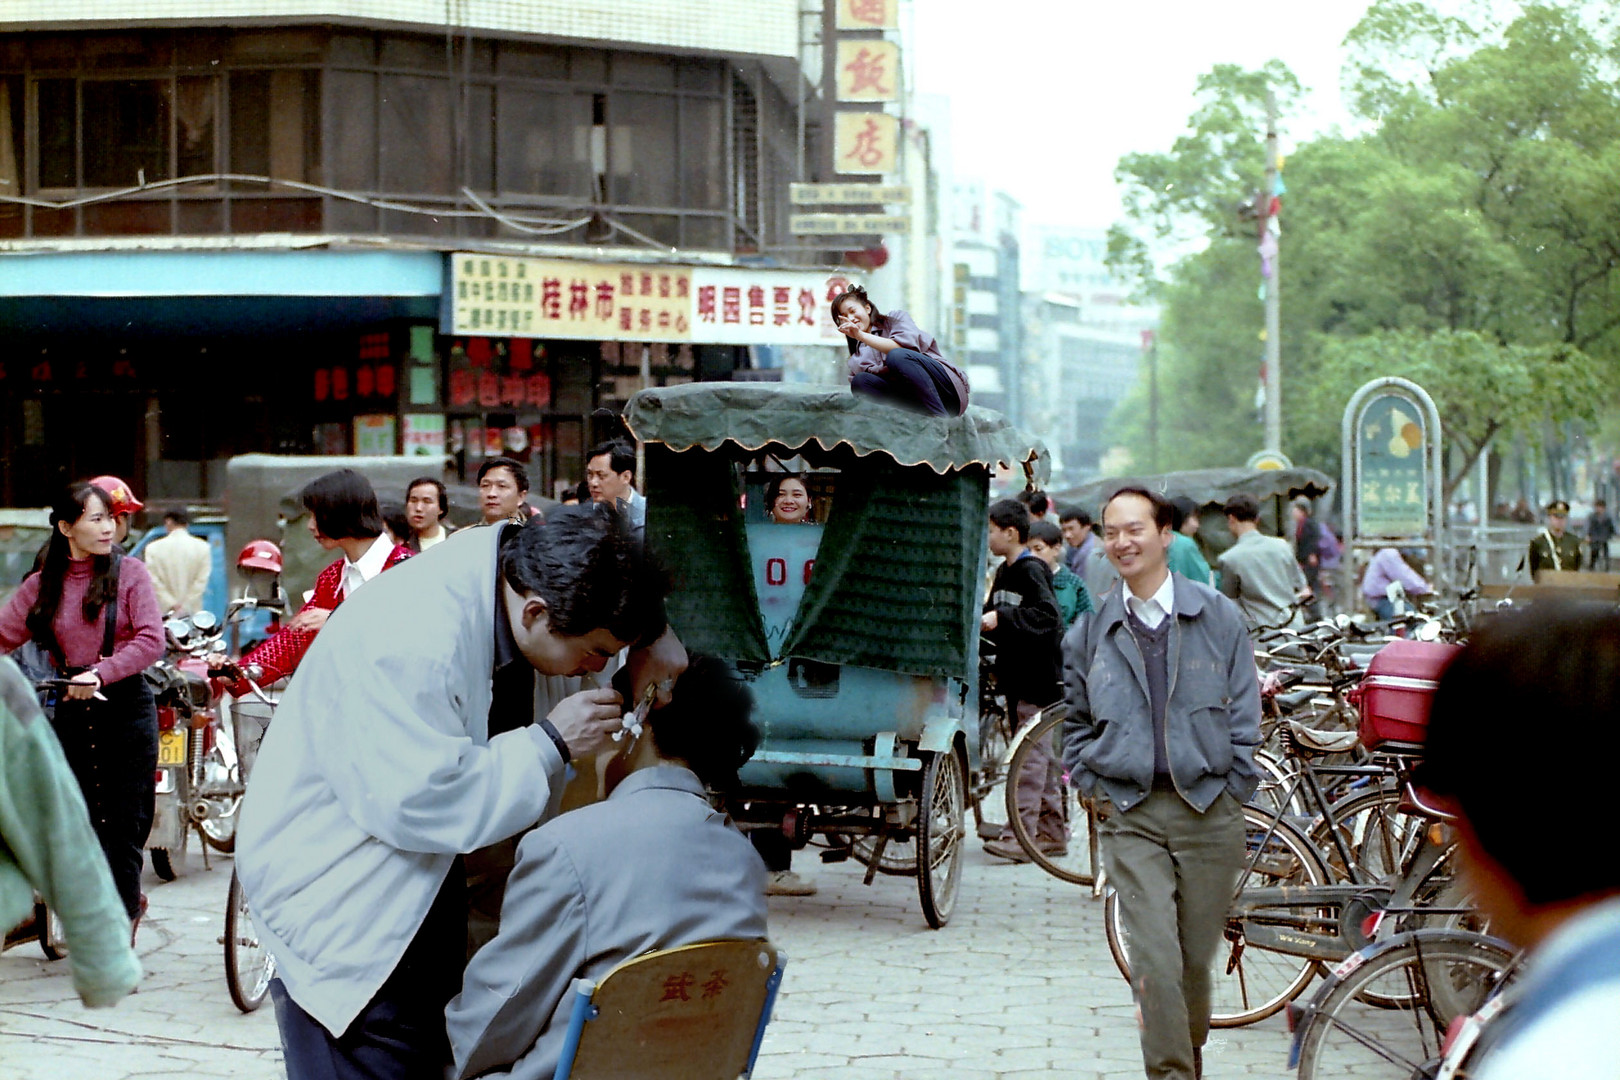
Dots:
(865, 72)
(1392, 493)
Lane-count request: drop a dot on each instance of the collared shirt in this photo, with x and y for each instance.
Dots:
(634, 508)
(422, 541)
(1156, 608)
(356, 574)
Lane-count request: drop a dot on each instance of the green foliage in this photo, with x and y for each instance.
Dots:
(1470, 240)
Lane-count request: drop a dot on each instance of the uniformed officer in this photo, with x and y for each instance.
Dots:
(1553, 548)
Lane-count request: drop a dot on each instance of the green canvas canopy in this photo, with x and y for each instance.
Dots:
(754, 415)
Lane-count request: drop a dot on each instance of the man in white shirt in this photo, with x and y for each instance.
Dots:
(179, 565)
(1546, 887)
(610, 473)
(392, 753)
(426, 504)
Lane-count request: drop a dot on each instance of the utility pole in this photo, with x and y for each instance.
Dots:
(1273, 285)
(1150, 352)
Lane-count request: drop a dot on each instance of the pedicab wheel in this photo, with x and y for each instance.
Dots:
(162, 864)
(940, 825)
(249, 967)
(51, 940)
(1076, 859)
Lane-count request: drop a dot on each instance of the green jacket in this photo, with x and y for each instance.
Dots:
(1073, 599)
(1187, 560)
(46, 843)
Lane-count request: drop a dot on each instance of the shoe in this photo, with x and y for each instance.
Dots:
(989, 830)
(787, 883)
(1006, 849)
(1052, 846)
(135, 923)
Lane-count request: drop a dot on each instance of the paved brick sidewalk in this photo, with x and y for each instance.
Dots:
(1020, 984)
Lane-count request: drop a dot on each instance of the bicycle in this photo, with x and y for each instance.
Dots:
(1386, 1010)
(249, 966)
(1080, 863)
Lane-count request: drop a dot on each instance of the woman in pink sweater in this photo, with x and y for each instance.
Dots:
(891, 359)
(105, 720)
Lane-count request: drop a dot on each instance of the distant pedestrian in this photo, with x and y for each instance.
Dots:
(1164, 718)
(894, 361)
(610, 472)
(1307, 541)
(180, 565)
(1078, 538)
(1021, 620)
(427, 504)
(1039, 505)
(1389, 566)
(1554, 547)
(503, 487)
(1186, 558)
(1046, 542)
(1599, 531)
(1259, 571)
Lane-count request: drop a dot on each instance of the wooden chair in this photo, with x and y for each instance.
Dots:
(693, 1013)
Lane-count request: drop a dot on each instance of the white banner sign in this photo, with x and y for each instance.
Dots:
(764, 307)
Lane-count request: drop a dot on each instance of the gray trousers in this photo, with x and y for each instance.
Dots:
(1175, 871)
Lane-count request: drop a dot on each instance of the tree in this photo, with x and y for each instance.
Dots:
(1470, 239)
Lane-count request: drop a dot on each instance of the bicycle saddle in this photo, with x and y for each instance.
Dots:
(1325, 742)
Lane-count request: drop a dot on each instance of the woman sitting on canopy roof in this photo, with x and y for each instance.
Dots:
(892, 360)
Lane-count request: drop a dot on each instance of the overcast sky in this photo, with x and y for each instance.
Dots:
(1046, 95)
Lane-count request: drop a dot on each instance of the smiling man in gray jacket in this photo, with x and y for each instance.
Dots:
(1164, 718)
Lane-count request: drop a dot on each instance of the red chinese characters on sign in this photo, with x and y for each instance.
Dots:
(867, 150)
(323, 383)
(714, 984)
(340, 384)
(579, 299)
(807, 307)
(869, 71)
(463, 387)
(705, 303)
(756, 305)
(678, 987)
(731, 304)
(385, 380)
(604, 299)
(781, 305)
(365, 382)
(551, 298)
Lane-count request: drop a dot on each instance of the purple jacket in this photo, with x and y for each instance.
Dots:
(900, 328)
(1387, 566)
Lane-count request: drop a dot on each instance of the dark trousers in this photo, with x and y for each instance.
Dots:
(111, 746)
(1175, 871)
(1039, 786)
(400, 1034)
(773, 847)
(911, 380)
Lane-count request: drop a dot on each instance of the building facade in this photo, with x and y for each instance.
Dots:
(235, 226)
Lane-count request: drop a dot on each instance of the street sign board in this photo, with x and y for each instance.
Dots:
(849, 194)
(848, 224)
(1392, 495)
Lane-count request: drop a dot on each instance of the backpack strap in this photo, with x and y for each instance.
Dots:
(110, 612)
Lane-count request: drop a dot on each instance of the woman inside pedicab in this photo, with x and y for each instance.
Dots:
(891, 359)
(787, 500)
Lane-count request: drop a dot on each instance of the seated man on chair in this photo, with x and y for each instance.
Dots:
(654, 866)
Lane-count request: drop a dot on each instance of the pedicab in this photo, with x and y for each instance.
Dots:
(857, 628)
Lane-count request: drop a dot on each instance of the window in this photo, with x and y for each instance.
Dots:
(58, 133)
(641, 152)
(126, 132)
(542, 142)
(275, 124)
(414, 132)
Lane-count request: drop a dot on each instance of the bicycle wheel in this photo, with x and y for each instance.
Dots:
(1247, 984)
(1378, 834)
(1076, 860)
(938, 843)
(995, 740)
(1441, 974)
(249, 967)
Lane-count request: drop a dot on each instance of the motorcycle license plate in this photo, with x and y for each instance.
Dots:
(172, 747)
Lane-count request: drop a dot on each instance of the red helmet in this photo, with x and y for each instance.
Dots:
(123, 499)
(260, 555)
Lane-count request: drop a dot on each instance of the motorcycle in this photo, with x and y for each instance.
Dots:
(197, 783)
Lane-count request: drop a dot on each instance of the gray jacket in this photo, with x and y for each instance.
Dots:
(1260, 573)
(1212, 719)
(652, 867)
